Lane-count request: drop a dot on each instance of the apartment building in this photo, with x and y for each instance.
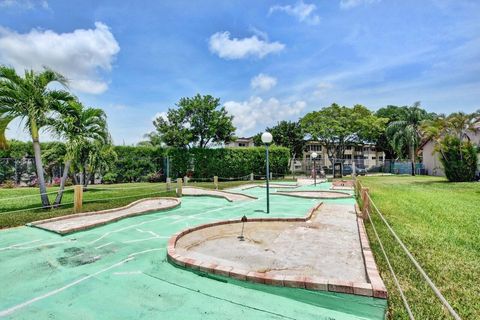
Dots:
(242, 142)
(365, 156)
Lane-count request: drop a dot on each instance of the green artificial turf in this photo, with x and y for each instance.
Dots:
(439, 222)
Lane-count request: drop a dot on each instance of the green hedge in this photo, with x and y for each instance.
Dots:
(135, 164)
(228, 162)
(144, 163)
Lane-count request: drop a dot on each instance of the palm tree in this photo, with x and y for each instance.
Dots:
(406, 133)
(457, 124)
(79, 127)
(4, 121)
(29, 99)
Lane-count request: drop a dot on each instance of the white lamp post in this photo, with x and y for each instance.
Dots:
(314, 156)
(267, 139)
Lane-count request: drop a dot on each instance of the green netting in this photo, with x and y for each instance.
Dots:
(119, 271)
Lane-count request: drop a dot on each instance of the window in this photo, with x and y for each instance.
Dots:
(365, 157)
(380, 158)
(315, 147)
(348, 156)
(241, 144)
(374, 158)
(348, 148)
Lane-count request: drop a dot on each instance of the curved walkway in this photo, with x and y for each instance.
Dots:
(315, 194)
(84, 221)
(230, 196)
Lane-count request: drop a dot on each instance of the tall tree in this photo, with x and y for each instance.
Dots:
(392, 113)
(196, 122)
(30, 99)
(337, 127)
(80, 127)
(406, 133)
(289, 134)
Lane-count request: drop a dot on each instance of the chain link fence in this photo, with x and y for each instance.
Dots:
(362, 166)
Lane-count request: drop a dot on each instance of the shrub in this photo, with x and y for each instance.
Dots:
(155, 177)
(109, 178)
(459, 159)
(226, 162)
(9, 184)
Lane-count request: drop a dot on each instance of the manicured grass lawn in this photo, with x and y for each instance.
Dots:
(440, 224)
(97, 197)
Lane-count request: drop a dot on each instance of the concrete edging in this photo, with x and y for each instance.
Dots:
(215, 195)
(375, 288)
(37, 224)
(297, 194)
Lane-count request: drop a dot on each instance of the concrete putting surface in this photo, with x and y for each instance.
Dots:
(322, 194)
(327, 246)
(83, 221)
(230, 196)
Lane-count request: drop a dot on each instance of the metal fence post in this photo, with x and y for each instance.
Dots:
(77, 198)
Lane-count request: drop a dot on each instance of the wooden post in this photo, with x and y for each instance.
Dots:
(366, 203)
(77, 198)
(179, 187)
(251, 176)
(215, 182)
(169, 184)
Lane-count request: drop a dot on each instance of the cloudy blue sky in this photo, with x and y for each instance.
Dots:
(266, 60)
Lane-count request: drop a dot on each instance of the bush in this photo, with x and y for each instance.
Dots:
(156, 177)
(229, 163)
(109, 178)
(135, 164)
(9, 184)
(459, 159)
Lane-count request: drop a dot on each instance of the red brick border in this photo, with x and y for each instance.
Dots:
(374, 288)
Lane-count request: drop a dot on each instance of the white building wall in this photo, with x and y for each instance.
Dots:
(431, 159)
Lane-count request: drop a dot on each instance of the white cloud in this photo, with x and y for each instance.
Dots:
(162, 114)
(24, 4)
(263, 82)
(256, 113)
(348, 4)
(79, 55)
(322, 88)
(233, 48)
(302, 11)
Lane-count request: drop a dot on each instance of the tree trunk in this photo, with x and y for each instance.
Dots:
(412, 159)
(86, 181)
(40, 174)
(58, 199)
(75, 178)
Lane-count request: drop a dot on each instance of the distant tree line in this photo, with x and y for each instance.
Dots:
(398, 131)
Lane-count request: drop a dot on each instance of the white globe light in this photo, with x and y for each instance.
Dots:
(314, 155)
(267, 137)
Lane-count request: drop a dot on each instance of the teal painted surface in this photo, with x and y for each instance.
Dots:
(119, 271)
